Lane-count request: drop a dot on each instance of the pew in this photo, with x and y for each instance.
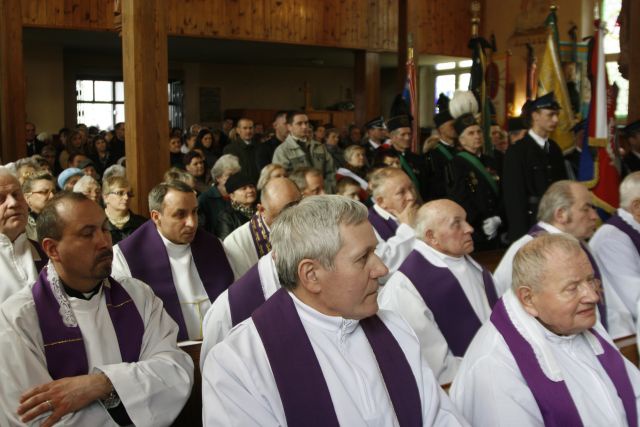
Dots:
(628, 346)
(191, 414)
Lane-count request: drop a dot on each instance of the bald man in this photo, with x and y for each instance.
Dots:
(442, 293)
(249, 242)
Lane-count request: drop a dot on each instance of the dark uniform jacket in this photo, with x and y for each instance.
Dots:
(471, 189)
(528, 171)
(439, 170)
(631, 163)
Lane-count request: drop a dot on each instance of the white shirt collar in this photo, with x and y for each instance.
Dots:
(537, 138)
(549, 228)
(442, 141)
(374, 144)
(174, 249)
(384, 214)
(337, 324)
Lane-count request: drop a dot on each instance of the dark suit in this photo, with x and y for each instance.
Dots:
(265, 150)
(439, 170)
(246, 154)
(528, 171)
(631, 163)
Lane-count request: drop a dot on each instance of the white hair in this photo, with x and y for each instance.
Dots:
(113, 170)
(559, 195)
(226, 163)
(379, 178)
(311, 230)
(83, 184)
(629, 190)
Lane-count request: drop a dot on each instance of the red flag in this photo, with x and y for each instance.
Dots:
(410, 95)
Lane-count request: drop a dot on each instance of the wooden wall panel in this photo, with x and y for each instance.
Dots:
(357, 24)
(444, 28)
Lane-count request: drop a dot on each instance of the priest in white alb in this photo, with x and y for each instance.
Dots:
(439, 289)
(83, 349)
(319, 351)
(185, 266)
(20, 258)
(247, 243)
(543, 358)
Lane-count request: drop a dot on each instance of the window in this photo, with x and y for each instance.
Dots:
(101, 103)
(451, 76)
(610, 12)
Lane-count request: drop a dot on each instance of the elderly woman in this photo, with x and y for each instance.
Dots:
(269, 172)
(88, 186)
(242, 193)
(475, 185)
(212, 201)
(116, 192)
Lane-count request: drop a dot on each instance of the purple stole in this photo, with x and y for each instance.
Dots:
(443, 294)
(553, 398)
(536, 230)
(259, 235)
(245, 295)
(44, 259)
(148, 261)
(386, 228)
(303, 390)
(63, 345)
(627, 229)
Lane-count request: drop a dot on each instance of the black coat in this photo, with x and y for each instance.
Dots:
(438, 168)
(118, 234)
(528, 171)
(471, 190)
(228, 220)
(246, 154)
(631, 163)
(417, 165)
(265, 150)
(210, 204)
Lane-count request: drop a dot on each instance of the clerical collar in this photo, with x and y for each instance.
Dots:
(81, 295)
(537, 138)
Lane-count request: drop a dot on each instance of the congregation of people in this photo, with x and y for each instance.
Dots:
(328, 274)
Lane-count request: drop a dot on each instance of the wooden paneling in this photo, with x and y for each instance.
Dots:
(12, 83)
(443, 28)
(145, 67)
(358, 24)
(367, 86)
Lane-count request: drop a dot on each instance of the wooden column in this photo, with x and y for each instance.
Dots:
(367, 86)
(12, 82)
(403, 32)
(145, 68)
(634, 63)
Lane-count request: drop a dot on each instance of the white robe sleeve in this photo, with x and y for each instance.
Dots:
(395, 250)
(119, 265)
(401, 296)
(216, 325)
(240, 250)
(154, 389)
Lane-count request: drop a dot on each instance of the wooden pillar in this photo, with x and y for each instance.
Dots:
(403, 32)
(367, 86)
(634, 62)
(145, 68)
(12, 82)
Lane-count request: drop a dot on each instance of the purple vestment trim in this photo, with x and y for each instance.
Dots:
(245, 295)
(444, 296)
(553, 398)
(536, 230)
(623, 226)
(303, 390)
(148, 261)
(386, 228)
(259, 235)
(64, 346)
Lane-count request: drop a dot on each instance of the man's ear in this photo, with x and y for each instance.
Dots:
(308, 275)
(527, 300)
(50, 247)
(561, 216)
(155, 217)
(430, 237)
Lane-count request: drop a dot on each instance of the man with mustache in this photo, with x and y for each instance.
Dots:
(185, 266)
(543, 358)
(20, 258)
(81, 348)
(442, 292)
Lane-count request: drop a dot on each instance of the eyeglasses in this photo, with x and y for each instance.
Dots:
(121, 193)
(43, 192)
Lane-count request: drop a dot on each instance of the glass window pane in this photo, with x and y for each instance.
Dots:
(119, 113)
(119, 92)
(84, 90)
(463, 81)
(610, 13)
(104, 91)
(466, 63)
(445, 84)
(623, 89)
(100, 115)
(446, 66)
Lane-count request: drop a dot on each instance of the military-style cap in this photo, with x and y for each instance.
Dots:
(463, 122)
(377, 123)
(632, 128)
(443, 115)
(398, 122)
(547, 102)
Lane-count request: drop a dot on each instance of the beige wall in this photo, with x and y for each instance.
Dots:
(503, 17)
(45, 92)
